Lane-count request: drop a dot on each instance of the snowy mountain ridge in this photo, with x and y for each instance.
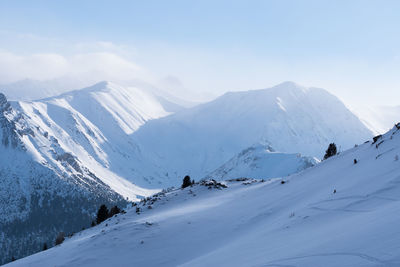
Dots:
(336, 213)
(94, 125)
(128, 134)
(292, 118)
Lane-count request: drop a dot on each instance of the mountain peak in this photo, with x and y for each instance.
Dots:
(100, 86)
(289, 86)
(103, 86)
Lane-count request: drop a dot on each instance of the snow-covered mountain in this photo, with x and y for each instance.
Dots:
(126, 133)
(62, 157)
(108, 143)
(30, 90)
(289, 117)
(337, 213)
(260, 162)
(95, 124)
(41, 195)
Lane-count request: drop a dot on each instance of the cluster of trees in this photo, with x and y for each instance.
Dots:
(103, 213)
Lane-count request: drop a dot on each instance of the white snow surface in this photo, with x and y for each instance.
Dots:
(299, 223)
(261, 162)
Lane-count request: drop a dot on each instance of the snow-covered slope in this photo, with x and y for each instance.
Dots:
(289, 117)
(95, 124)
(334, 214)
(260, 162)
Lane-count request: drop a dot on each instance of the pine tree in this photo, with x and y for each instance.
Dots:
(102, 214)
(186, 181)
(331, 151)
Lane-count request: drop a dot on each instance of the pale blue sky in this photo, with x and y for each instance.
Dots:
(351, 48)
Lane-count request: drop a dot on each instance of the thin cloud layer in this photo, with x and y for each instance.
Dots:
(47, 66)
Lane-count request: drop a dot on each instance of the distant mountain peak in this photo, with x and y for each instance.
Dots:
(97, 87)
(101, 84)
(288, 84)
(289, 88)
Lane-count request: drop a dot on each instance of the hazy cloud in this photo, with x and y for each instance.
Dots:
(45, 66)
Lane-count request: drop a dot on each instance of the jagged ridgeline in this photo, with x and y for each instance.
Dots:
(40, 197)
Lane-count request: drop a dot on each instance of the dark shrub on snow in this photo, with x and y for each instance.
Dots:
(186, 181)
(331, 151)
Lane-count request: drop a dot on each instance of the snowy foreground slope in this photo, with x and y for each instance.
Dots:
(301, 222)
(289, 117)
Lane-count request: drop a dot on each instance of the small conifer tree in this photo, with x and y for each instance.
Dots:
(186, 181)
(331, 151)
(102, 214)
